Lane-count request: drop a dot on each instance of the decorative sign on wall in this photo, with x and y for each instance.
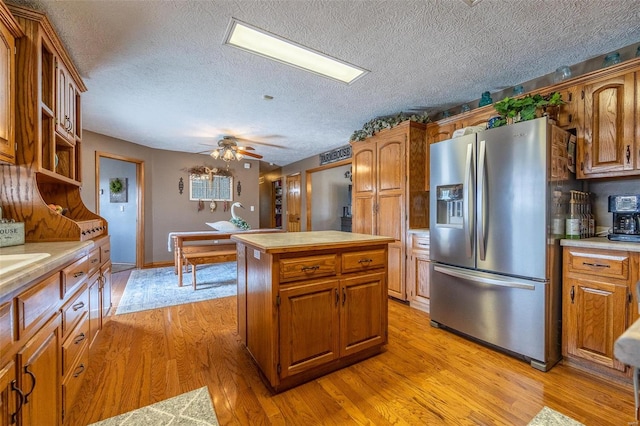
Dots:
(118, 190)
(208, 188)
(338, 154)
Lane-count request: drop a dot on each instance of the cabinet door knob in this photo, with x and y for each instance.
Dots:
(33, 383)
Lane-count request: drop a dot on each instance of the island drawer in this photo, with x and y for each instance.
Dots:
(363, 260)
(604, 263)
(74, 309)
(301, 268)
(73, 274)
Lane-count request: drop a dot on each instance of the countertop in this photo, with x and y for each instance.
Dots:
(60, 253)
(419, 231)
(601, 243)
(297, 241)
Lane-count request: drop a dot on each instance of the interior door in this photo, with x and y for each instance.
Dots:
(293, 203)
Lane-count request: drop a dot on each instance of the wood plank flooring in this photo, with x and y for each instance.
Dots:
(426, 376)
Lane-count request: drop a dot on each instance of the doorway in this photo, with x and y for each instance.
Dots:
(294, 206)
(124, 209)
(329, 190)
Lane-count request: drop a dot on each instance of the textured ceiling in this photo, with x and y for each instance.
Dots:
(158, 74)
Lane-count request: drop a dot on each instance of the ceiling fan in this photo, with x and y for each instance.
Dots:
(228, 150)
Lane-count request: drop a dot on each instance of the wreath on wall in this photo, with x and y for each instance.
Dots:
(116, 186)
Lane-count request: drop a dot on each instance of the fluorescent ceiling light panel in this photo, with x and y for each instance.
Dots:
(261, 43)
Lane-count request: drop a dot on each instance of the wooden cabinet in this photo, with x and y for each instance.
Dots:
(309, 309)
(437, 132)
(276, 203)
(350, 314)
(100, 290)
(609, 147)
(67, 105)
(95, 322)
(389, 191)
(39, 376)
(418, 271)
(9, 31)
(597, 306)
(44, 348)
(11, 397)
(570, 112)
(48, 139)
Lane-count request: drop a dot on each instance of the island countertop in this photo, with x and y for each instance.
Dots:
(297, 241)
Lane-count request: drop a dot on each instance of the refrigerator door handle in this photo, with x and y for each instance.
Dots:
(493, 280)
(482, 210)
(467, 199)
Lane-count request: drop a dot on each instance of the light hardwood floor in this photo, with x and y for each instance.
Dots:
(426, 376)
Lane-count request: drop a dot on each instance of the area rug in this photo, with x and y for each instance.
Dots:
(158, 287)
(191, 408)
(550, 417)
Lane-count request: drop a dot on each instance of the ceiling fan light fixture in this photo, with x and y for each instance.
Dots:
(260, 42)
(215, 154)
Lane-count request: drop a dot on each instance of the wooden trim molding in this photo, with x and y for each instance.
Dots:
(140, 178)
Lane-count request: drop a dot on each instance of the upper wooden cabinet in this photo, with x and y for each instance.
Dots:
(609, 145)
(48, 94)
(390, 184)
(9, 31)
(48, 139)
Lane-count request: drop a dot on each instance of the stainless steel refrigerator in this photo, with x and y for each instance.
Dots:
(495, 259)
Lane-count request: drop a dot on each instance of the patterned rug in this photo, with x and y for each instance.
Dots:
(550, 417)
(158, 287)
(191, 408)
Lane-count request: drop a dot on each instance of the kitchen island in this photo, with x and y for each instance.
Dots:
(311, 302)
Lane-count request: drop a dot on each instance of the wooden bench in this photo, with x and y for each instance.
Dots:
(201, 255)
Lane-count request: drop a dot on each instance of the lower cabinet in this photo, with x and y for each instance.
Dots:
(418, 271)
(39, 375)
(597, 307)
(47, 327)
(323, 321)
(10, 394)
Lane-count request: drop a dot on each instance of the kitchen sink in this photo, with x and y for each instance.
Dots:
(11, 262)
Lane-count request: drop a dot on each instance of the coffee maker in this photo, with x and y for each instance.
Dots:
(626, 217)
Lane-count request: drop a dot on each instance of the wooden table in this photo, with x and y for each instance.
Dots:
(177, 241)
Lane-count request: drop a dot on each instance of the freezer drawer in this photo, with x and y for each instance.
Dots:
(506, 312)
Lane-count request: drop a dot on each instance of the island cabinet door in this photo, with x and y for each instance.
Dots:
(308, 326)
(363, 313)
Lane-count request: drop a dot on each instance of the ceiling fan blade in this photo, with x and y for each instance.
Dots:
(249, 154)
(245, 148)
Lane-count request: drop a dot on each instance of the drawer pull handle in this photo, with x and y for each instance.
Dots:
(77, 306)
(423, 245)
(80, 338)
(95, 260)
(33, 383)
(14, 388)
(596, 265)
(81, 368)
(365, 260)
(310, 268)
(78, 274)
(107, 251)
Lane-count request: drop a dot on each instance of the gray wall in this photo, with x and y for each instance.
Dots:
(121, 216)
(165, 209)
(602, 188)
